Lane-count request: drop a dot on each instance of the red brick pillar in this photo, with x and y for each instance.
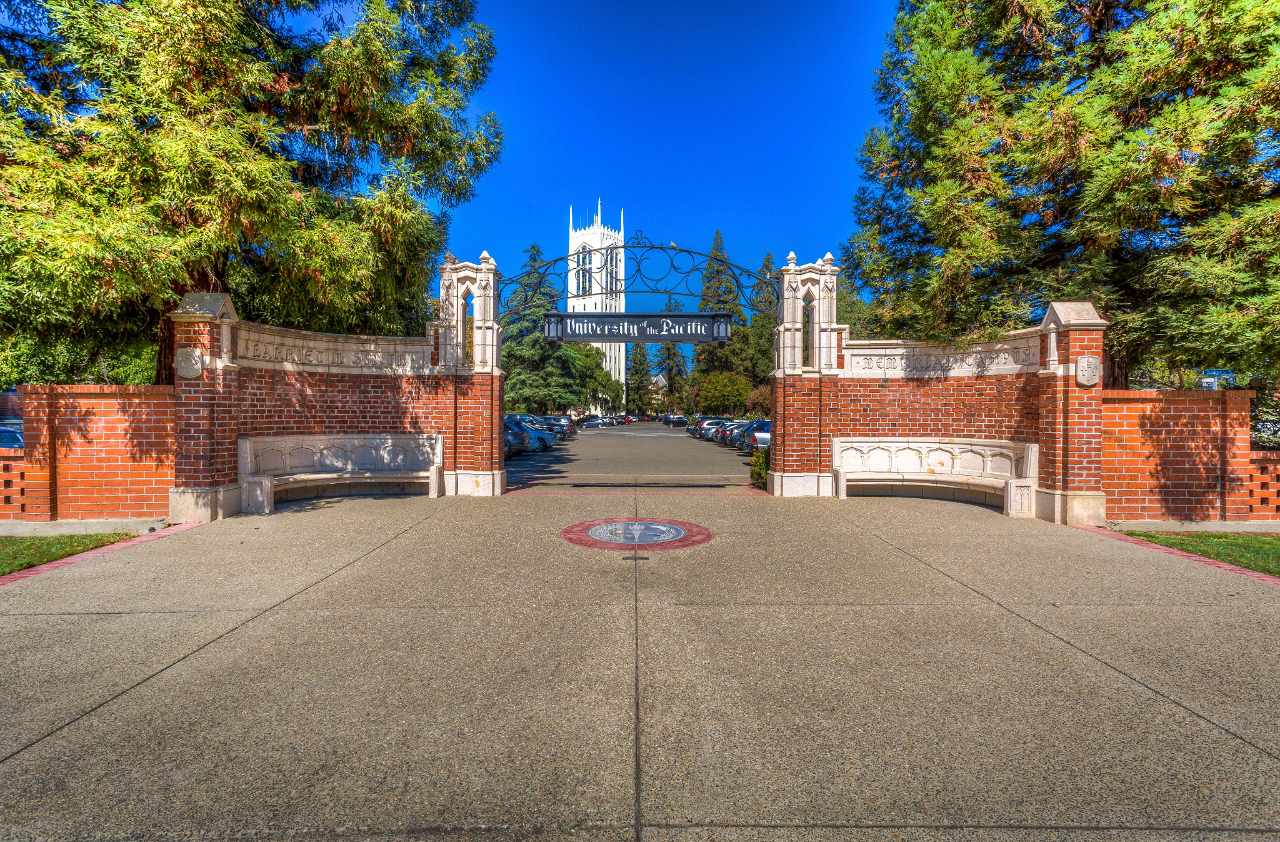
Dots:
(206, 379)
(1070, 476)
(40, 453)
(1237, 454)
(797, 465)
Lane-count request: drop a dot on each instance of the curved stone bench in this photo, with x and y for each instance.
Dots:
(271, 464)
(995, 472)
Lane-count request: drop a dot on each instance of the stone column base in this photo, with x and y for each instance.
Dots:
(201, 505)
(475, 483)
(1073, 508)
(801, 485)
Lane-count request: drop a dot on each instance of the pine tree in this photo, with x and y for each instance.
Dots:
(720, 294)
(152, 148)
(639, 380)
(1118, 151)
(543, 377)
(672, 364)
(758, 363)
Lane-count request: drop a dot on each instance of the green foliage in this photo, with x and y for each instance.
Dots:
(720, 392)
(639, 380)
(753, 352)
(32, 358)
(670, 362)
(760, 401)
(760, 468)
(543, 377)
(720, 294)
(156, 147)
(1122, 152)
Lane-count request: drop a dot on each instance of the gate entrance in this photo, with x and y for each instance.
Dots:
(539, 323)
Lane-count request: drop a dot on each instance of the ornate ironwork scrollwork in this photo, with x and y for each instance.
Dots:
(650, 268)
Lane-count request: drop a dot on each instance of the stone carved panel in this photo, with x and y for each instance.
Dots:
(943, 458)
(263, 346)
(392, 452)
(877, 359)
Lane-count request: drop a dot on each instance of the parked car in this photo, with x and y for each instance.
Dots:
(726, 430)
(535, 422)
(707, 428)
(678, 421)
(762, 437)
(741, 438)
(561, 423)
(513, 443)
(539, 440)
(11, 437)
(592, 422)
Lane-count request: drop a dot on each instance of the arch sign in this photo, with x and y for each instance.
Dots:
(637, 327)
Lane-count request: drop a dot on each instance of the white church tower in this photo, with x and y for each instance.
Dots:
(597, 269)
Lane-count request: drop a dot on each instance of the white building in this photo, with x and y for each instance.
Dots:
(597, 270)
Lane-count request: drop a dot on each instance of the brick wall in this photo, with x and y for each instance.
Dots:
(1263, 486)
(12, 504)
(97, 452)
(1176, 455)
(810, 411)
(271, 402)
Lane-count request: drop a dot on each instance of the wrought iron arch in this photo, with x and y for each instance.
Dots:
(650, 268)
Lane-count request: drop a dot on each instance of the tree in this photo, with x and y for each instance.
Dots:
(672, 365)
(720, 294)
(756, 349)
(639, 380)
(1118, 151)
(721, 392)
(148, 149)
(543, 377)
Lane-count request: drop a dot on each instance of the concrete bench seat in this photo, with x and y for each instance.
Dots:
(992, 472)
(271, 465)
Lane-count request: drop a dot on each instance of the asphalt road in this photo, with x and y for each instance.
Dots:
(648, 454)
(863, 669)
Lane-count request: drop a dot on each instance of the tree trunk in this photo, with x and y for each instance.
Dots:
(1116, 371)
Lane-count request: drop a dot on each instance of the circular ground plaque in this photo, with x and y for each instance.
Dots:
(619, 533)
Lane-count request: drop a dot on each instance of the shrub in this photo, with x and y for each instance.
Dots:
(760, 468)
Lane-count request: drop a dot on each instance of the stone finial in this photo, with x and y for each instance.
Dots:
(450, 258)
(205, 306)
(828, 259)
(1072, 314)
(485, 258)
(791, 258)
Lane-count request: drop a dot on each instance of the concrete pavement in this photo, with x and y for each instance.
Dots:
(865, 669)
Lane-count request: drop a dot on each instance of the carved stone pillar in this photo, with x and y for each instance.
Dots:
(473, 461)
(808, 352)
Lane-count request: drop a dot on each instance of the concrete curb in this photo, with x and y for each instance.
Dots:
(19, 575)
(1264, 578)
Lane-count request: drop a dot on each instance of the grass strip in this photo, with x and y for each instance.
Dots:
(20, 553)
(1254, 551)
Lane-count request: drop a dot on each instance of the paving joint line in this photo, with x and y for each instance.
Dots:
(638, 830)
(1149, 688)
(210, 642)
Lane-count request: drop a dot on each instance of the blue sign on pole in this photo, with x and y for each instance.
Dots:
(1222, 375)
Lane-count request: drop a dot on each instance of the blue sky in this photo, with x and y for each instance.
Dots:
(693, 116)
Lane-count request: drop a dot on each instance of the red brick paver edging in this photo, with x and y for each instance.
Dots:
(1264, 578)
(27, 573)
